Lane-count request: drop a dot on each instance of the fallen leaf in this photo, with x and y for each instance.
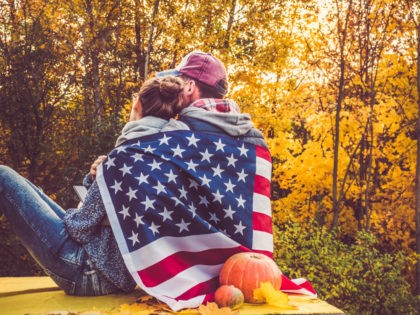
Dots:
(213, 309)
(273, 297)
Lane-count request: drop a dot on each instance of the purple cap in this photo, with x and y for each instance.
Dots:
(203, 67)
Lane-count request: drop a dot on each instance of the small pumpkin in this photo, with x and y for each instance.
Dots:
(247, 271)
(228, 296)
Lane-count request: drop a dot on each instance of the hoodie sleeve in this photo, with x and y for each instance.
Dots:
(84, 223)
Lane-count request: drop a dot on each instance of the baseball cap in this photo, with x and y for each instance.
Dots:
(203, 67)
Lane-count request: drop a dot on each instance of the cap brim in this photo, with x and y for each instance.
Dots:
(173, 72)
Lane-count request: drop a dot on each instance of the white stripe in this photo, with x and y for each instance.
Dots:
(165, 246)
(301, 291)
(183, 281)
(261, 204)
(262, 241)
(263, 168)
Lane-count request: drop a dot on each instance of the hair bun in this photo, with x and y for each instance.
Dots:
(170, 87)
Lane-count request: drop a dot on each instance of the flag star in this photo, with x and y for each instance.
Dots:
(231, 160)
(125, 212)
(155, 165)
(120, 149)
(241, 202)
(229, 212)
(138, 219)
(131, 193)
(229, 186)
(214, 218)
(192, 141)
(193, 183)
(159, 188)
(125, 169)
(191, 165)
(178, 151)
(218, 196)
(164, 140)
(243, 150)
(177, 201)
(204, 201)
(134, 238)
(149, 149)
(154, 228)
(166, 215)
(110, 162)
(171, 176)
(239, 228)
(183, 226)
(205, 180)
(183, 192)
(192, 209)
(242, 175)
(217, 171)
(219, 145)
(142, 178)
(138, 157)
(148, 203)
(116, 186)
(206, 156)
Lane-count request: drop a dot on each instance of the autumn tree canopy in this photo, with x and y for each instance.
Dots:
(331, 84)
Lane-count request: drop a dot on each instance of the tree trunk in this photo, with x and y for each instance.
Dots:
(139, 62)
(418, 167)
(94, 57)
(150, 46)
(342, 41)
(226, 43)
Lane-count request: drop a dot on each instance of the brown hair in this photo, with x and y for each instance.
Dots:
(161, 97)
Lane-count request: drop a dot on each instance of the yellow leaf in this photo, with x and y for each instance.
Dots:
(273, 297)
(213, 309)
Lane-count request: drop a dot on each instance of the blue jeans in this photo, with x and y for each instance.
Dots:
(37, 221)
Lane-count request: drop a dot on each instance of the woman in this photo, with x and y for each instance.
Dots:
(75, 247)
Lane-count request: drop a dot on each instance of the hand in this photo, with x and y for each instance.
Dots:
(95, 164)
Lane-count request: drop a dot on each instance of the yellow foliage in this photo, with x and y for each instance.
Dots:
(273, 297)
(213, 309)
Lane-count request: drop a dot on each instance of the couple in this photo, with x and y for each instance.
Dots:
(167, 206)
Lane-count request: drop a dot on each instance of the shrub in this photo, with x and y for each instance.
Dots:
(355, 277)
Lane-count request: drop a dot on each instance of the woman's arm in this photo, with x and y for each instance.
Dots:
(84, 222)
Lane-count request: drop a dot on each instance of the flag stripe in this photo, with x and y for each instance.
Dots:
(262, 241)
(261, 204)
(262, 222)
(263, 168)
(263, 153)
(153, 253)
(207, 286)
(262, 186)
(176, 286)
(173, 264)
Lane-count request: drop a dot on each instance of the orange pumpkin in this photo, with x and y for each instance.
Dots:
(228, 296)
(247, 271)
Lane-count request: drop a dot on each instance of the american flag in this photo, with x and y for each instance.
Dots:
(180, 203)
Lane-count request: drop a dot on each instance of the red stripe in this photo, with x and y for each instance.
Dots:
(176, 263)
(200, 289)
(263, 153)
(264, 252)
(262, 222)
(262, 185)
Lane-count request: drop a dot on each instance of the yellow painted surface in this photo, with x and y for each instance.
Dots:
(39, 295)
